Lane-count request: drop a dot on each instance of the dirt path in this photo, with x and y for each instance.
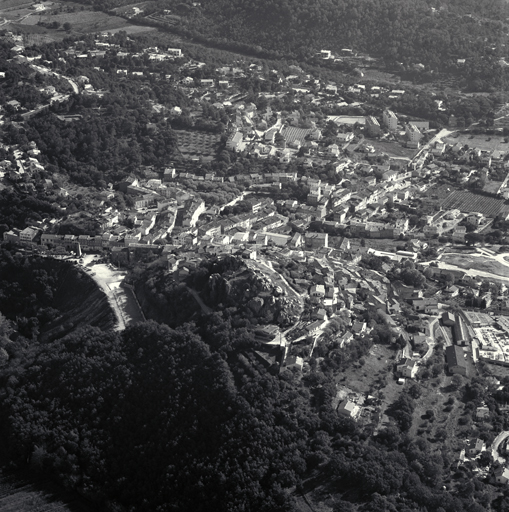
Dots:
(122, 300)
(200, 302)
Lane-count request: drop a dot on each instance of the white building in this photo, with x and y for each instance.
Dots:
(413, 133)
(390, 120)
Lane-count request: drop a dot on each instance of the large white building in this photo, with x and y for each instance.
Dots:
(373, 126)
(390, 120)
(413, 133)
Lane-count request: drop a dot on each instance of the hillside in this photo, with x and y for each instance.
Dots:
(249, 297)
(408, 32)
(48, 298)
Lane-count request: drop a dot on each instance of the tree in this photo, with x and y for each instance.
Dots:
(67, 26)
(413, 277)
(457, 381)
(474, 238)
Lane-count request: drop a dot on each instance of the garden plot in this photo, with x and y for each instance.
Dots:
(197, 144)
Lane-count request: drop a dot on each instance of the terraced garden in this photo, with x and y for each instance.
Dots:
(466, 201)
(197, 144)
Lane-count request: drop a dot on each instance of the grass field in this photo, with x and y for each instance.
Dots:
(466, 201)
(482, 142)
(83, 20)
(14, 4)
(196, 143)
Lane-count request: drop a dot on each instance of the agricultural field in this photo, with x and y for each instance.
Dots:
(375, 371)
(83, 20)
(378, 75)
(197, 144)
(18, 495)
(439, 397)
(128, 9)
(466, 201)
(483, 142)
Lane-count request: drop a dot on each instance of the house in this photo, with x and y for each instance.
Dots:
(316, 240)
(345, 137)
(482, 412)
(321, 314)
(293, 362)
(452, 291)
(359, 327)
(349, 409)
(345, 339)
(317, 290)
(407, 368)
(314, 326)
(475, 446)
(448, 319)
(501, 475)
(427, 305)
(455, 358)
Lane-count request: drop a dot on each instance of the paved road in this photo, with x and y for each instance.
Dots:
(481, 252)
(442, 133)
(496, 443)
(473, 272)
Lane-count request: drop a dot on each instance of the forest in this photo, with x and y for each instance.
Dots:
(401, 32)
(45, 298)
(160, 418)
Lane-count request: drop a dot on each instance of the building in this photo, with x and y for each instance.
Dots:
(460, 332)
(482, 412)
(448, 319)
(475, 446)
(193, 209)
(28, 235)
(373, 128)
(276, 239)
(234, 141)
(345, 137)
(455, 358)
(390, 120)
(407, 368)
(349, 409)
(501, 475)
(413, 133)
(316, 240)
(317, 290)
(174, 52)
